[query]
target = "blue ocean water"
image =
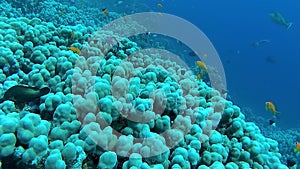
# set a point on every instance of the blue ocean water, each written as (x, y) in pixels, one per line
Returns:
(254, 74)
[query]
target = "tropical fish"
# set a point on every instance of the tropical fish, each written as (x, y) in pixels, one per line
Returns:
(74, 49)
(297, 148)
(201, 65)
(260, 42)
(21, 94)
(225, 94)
(199, 76)
(224, 91)
(105, 11)
(279, 19)
(271, 107)
(272, 122)
(160, 5)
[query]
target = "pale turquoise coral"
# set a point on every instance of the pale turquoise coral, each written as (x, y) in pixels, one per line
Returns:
(68, 138)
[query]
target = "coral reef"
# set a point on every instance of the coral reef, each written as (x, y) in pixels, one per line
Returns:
(111, 106)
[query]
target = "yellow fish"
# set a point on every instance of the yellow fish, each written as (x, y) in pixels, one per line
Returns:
(201, 65)
(74, 49)
(199, 76)
(272, 108)
(297, 148)
(105, 11)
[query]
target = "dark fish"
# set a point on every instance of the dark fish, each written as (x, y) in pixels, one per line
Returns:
(228, 97)
(21, 94)
(290, 163)
(224, 91)
(272, 122)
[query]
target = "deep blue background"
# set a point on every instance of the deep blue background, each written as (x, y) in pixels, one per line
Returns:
(232, 26)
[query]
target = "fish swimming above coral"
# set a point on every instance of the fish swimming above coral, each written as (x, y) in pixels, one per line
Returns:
(279, 19)
(297, 147)
(272, 123)
(105, 11)
(75, 49)
(272, 108)
(22, 94)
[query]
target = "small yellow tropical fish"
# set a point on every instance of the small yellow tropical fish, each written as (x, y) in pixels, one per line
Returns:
(105, 11)
(160, 5)
(271, 107)
(201, 65)
(199, 76)
(74, 49)
(297, 148)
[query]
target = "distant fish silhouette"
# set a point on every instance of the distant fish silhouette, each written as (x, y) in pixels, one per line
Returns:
(260, 43)
(279, 19)
(160, 5)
